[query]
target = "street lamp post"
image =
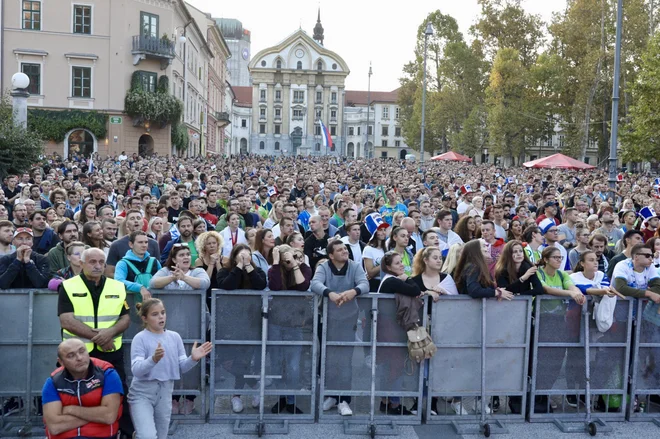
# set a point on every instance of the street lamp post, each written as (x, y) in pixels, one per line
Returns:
(19, 96)
(427, 33)
(615, 99)
(367, 148)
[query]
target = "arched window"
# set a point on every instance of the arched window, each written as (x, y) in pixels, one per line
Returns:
(81, 142)
(262, 145)
(277, 146)
(279, 64)
(299, 65)
(319, 66)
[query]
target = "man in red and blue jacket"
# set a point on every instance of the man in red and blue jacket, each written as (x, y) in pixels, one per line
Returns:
(83, 398)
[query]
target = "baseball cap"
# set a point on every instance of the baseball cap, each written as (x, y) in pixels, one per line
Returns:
(446, 198)
(23, 230)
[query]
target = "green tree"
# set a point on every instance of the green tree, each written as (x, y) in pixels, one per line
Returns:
(505, 102)
(454, 85)
(505, 24)
(20, 149)
(641, 135)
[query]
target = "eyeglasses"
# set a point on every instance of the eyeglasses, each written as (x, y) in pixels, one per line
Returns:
(646, 255)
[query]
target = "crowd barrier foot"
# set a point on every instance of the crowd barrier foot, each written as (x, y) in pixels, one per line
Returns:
(371, 429)
(486, 428)
(173, 426)
(260, 428)
(10, 429)
(594, 427)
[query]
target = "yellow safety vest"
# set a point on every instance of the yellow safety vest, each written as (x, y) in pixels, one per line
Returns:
(111, 302)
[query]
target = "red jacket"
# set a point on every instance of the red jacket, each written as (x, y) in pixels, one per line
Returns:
(84, 393)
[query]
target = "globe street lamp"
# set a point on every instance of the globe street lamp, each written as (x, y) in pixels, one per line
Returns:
(427, 33)
(19, 95)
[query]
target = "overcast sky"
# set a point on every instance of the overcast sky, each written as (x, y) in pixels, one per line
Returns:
(359, 31)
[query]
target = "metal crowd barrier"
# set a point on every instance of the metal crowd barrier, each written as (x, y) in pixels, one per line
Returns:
(27, 355)
(187, 315)
(266, 346)
(579, 375)
(483, 352)
(265, 349)
(645, 383)
(369, 366)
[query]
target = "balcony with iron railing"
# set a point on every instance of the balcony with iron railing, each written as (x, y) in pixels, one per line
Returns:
(222, 117)
(147, 46)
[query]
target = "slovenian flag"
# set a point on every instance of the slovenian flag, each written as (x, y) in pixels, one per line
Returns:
(90, 168)
(327, 140)
(657, 181)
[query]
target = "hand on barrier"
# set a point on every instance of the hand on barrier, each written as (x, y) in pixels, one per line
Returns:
(335, 298)
(652, 296)
(504, 294)
(146, 294)
(160, 353)
(200, 352)
(578, 297)
(103, 338)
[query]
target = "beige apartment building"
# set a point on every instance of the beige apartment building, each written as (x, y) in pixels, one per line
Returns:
(81, 56)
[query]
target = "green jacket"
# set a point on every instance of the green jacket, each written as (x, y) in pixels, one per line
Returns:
(57, 258)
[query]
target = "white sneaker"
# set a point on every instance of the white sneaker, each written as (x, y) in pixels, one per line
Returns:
(344, 409)
(255, 401)
(329, 403)
(458, 408)
(236, 404)
(477, 406)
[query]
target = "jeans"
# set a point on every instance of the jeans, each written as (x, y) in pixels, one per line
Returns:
(151, 408)
(286, 358)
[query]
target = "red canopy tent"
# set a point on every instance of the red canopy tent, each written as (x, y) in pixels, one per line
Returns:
(557, 161)
(452, 156)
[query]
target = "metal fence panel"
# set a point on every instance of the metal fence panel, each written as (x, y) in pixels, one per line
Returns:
(265, 350)
(645, 384)
(187, 315)
(579, 374)
(483, 351)
(364, 357)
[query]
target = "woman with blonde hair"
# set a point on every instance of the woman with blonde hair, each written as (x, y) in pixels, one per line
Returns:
(155, 228)
(209, 249)
(275, 216)
(451, 260)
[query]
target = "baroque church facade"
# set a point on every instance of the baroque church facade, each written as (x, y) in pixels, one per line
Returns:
(297, 84)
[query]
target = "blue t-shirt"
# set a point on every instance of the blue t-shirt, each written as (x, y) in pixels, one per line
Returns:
(112, 384)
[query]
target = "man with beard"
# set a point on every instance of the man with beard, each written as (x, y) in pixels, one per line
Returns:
(6, 234)
(611, 232)
(598, 245)
(35, 195)
(20, 215)
(186, 237)
(68, 232)
(24, 268)
(119, 248)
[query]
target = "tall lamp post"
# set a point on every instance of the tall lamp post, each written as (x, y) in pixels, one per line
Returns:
(427, 33)
(366, 145)
(615, 99)
(19, 96)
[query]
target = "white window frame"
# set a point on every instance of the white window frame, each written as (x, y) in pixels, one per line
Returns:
(91, 81)
(73, 21)
(41, 16)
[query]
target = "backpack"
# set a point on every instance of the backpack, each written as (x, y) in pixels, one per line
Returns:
(141, 278)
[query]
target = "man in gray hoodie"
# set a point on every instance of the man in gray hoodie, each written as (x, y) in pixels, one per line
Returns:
(340, 280)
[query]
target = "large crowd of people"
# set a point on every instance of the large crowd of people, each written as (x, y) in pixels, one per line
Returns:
(340, 228)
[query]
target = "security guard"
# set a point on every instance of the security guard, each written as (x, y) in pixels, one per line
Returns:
(93, 309)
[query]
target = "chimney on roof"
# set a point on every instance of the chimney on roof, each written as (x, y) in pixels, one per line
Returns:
(318, 29)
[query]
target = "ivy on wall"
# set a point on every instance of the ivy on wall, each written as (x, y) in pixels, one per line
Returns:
(54, 125)
(180, 137)
(159, 108)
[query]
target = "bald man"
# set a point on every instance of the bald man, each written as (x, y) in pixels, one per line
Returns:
(83, 397)
(93, 308)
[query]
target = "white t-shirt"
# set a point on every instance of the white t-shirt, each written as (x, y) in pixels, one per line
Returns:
(355, 249)
(375, 254)
(463, 207)
(624, 270)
